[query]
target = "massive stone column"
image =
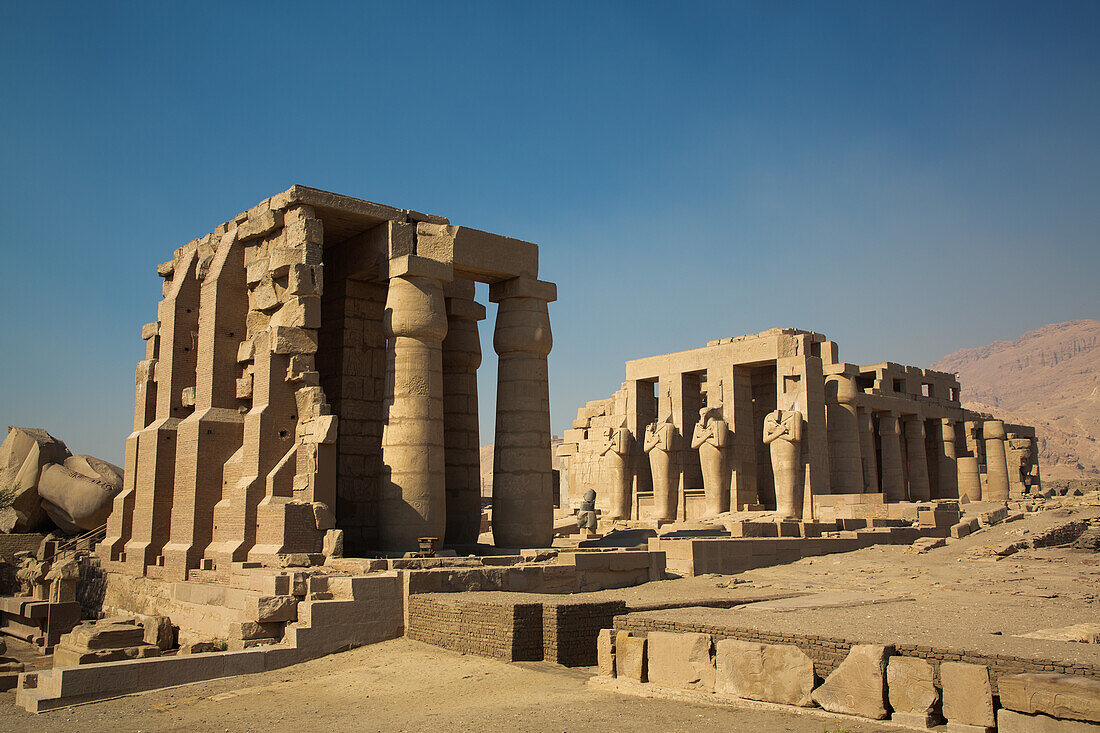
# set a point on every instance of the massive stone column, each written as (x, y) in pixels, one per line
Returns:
(155, 456)
(461, 439)
(213, 432)
(996, 463)
(523, 501)
(867, 454)
(413, 500)
(917, 454)
(893, 472)
(946, 461)
(842, 424)
(970, 478)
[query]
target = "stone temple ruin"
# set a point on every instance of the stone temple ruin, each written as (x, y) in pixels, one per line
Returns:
(273, 412)
(776, 422)
(303, 478)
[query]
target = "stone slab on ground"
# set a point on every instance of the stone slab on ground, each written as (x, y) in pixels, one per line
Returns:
(858, 685)
(967, 694)
(684, 660)
(1010, 721)
(911, 688)
(778, 673)
(1057, 695)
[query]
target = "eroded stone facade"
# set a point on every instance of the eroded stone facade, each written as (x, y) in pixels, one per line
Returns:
(770, 420)
(312, 369)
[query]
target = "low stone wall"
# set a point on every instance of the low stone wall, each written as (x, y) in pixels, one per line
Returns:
(827, 652)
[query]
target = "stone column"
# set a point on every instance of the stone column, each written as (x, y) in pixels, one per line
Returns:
(970, 478)
(842, 421)
(213, 432)
(996, 463)
(868, 457)
(946, 461)
(917, 453)
(523, 501)
(973, 441)
(413, 497)
(893, 472)
(155, 461)
(461, 438)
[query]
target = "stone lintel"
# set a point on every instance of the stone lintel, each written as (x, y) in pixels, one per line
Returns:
(523, 287)
(462, 308)
(414, 266)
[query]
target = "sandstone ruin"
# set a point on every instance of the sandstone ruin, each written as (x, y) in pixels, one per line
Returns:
(776, 422)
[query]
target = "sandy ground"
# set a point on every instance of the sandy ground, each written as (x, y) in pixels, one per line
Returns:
(403, 685)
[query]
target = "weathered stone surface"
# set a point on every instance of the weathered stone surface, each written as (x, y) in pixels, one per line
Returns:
(778, 673)
(267, 609)
(681, 660)
(910, 686)
(605, 652)
(967, 694)
(630, 657)
(1057, 695)
(107, 633)
(858, 685)
(1010, 721)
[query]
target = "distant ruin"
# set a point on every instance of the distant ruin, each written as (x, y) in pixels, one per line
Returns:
(776, 422)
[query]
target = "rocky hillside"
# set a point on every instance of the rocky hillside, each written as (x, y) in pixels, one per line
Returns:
(1049, 378)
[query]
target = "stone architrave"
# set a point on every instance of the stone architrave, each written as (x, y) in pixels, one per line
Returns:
(783, 436)
(779, 673)
(996, 462)
(710, 437)
(630, 657)
(967, 694)
(615, 452)
(679, 660)
(858, 685)
(912, 691)
(659, 443)
(413, 502)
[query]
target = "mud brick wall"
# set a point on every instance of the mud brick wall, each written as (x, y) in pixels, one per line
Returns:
(827, 653)
(510, 632)
(13, 543)
(570, 630)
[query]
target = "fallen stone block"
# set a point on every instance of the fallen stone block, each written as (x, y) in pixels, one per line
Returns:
(605, 652)
(1080, 633)
(967, 695)
(681, 660)
(1010, 721)
(912, 692)
(779, 673)
(268, 609)
(1056, 695)
(858, 685)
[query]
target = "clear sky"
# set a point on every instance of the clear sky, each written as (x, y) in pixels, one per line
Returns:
(906, 177)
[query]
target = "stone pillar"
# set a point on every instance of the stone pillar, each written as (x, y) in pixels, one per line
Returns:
(970, 479)
(413, 497)
(974, 445)
(842, 420)
(178, 315)
(213, 432)
(659, 443)
(461, 438)
(614, 455)
(946, 461)
(867, 453)
(996, 463)
(523, 502)
(893, 472)
(917, 454)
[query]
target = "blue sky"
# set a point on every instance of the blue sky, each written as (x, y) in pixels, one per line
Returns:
(909, 178)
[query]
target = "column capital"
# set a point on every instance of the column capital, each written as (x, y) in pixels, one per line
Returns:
(523, 286)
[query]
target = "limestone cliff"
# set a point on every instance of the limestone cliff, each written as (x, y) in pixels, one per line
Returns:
(1049, 378)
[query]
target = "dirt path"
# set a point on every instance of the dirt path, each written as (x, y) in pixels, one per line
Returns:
(403, 685)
